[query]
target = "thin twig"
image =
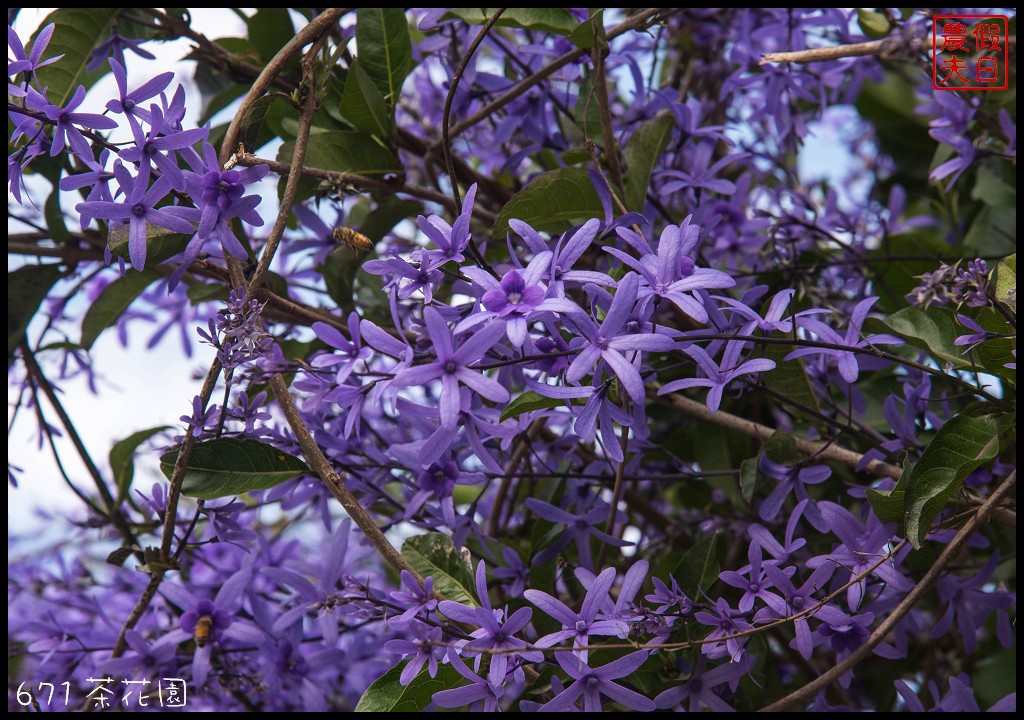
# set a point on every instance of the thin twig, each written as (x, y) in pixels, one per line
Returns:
(364, 182)
(113, 512)
(637, 21)
(446, 116)
(812, 688)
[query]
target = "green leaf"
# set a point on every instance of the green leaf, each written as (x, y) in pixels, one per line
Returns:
(364, 107)
(888, 504)
(960, 446)
(528, 402)
(699, 567)
(434, 555)
(207, 292)
(748, 479)
(113, 301)
(993, 354)
(991, 190)
(933, 329)
(26, 288)
(590, 32)
(76, 32)
(555, 20)
(874, 24)
(385, 48)
(230, 466)
(553, 202)
(387, 694)
(1006, 282)
(341, 151)
(339, 270)
(641, 153)
(270, 29)
(249, 131)
(390, 211)
(55, 218)
(992, 232)
(161, 243)
(122, 458)
(790, 379)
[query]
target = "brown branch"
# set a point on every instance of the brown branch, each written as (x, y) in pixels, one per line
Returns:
(323, 468)
(828, 452)
(316, 28)
(809, 690)
(836, 52)
(611, 147)
(291, 189)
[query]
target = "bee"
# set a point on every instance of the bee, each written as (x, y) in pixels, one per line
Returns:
(204, 626)
(355, 240)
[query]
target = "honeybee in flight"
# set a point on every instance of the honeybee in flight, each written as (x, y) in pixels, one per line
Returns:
(204, 627)
(355, 240)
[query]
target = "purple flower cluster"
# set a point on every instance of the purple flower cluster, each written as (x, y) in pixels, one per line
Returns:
(567, 421)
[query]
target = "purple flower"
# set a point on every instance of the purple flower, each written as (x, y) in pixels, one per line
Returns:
(970, 602)
(565, 255)
(421, 276)
(249, 412)
(215, 616)
(669, 597)
(427, 649)
(350, 352)
(415, 597)
(671, 273)
(702, 175)
(849, 368)
(201, 422)
(699, 688)
(977, 336)
(452, 240)
(157, 148)
(592, 683)
(752, 581)
(578, 627)
(512, 299)
(29, 63)
(114, 47)
(791, 601)
(774, 319)
(452, 366)
(790, 478)
(221, 196)
(128, 103)
(493, 634)
(65, 120)
(624, 608)
(960, 697)
(718, 377)
(727, 623)
(139, 209)
(860, 550)
(578, 528)
(516, 572)
(478, 690)
(610, 340)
